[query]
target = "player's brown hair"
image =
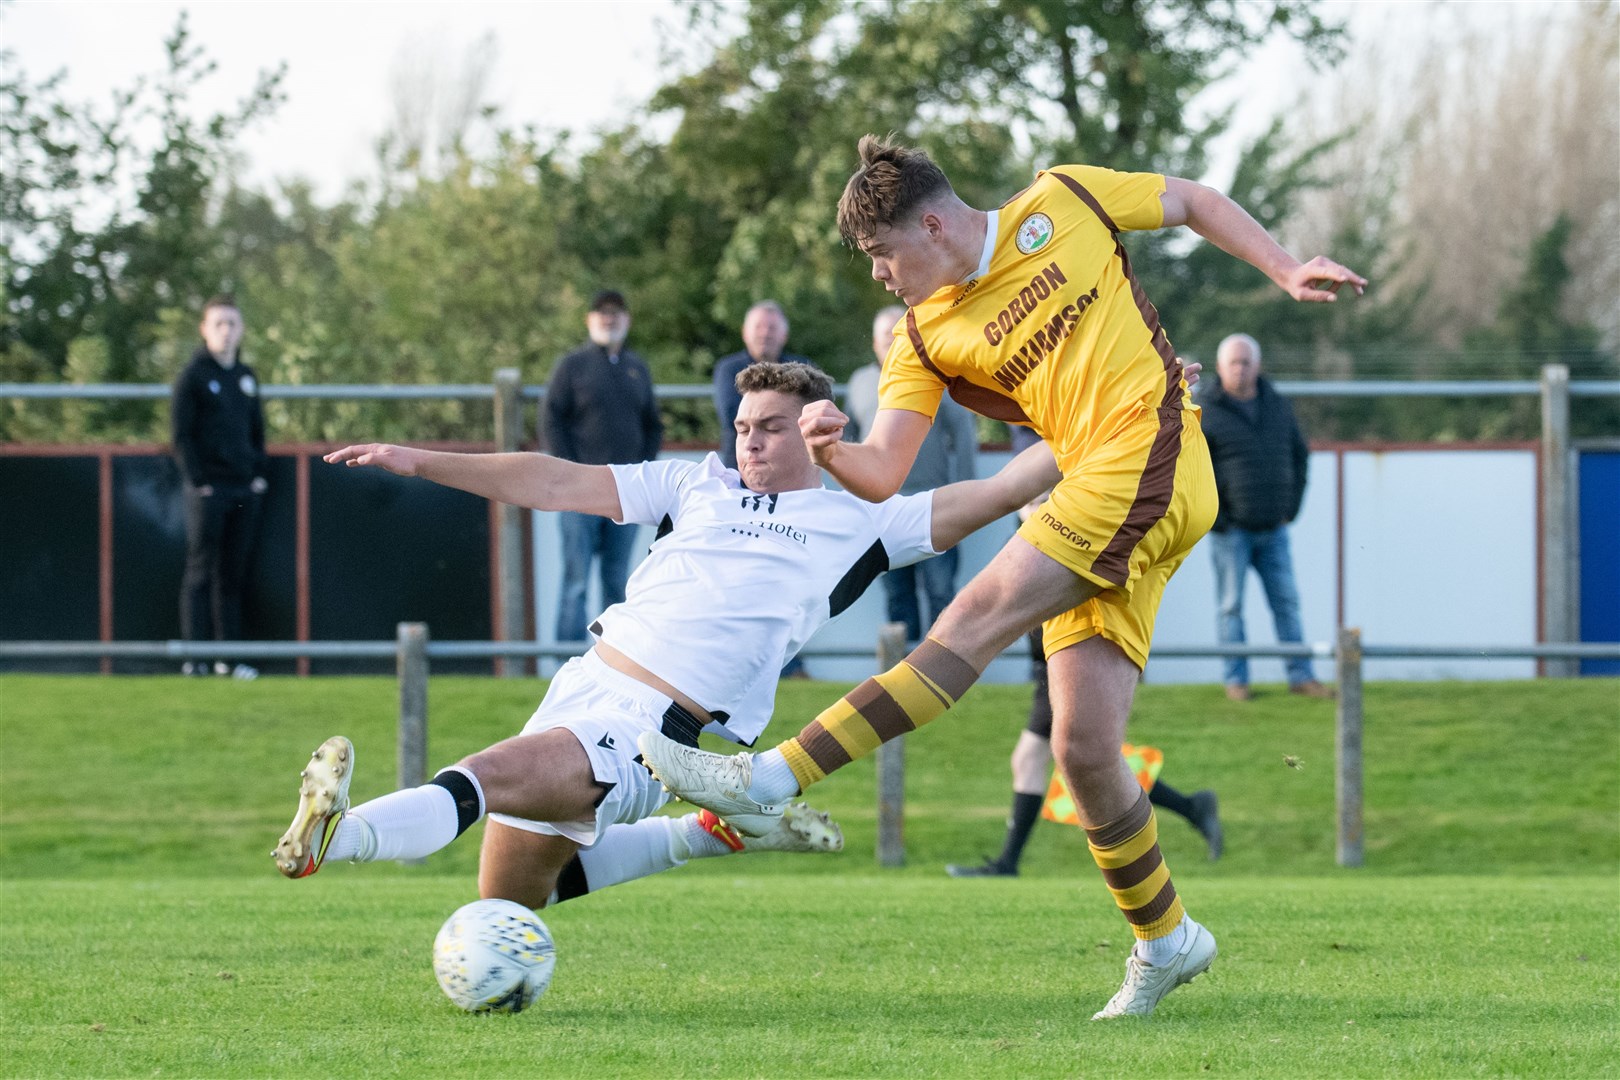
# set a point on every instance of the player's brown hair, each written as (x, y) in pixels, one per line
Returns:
(804, 381)
(220, 300)
(891, 182)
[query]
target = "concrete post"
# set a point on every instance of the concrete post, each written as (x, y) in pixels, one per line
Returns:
(891, 763)
(1347, 747)
(1560, 618)
(509, 540)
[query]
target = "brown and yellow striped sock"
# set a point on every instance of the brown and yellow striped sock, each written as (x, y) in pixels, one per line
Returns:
(1127, 852)
(904, 698)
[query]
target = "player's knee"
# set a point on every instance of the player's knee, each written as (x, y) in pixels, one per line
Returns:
(1085, 752)
(510, 768)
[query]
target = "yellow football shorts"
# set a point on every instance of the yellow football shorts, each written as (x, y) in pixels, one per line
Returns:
(1124, 516)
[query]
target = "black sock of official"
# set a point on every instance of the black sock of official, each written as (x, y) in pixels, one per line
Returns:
(1026, 810)
(1162, 794)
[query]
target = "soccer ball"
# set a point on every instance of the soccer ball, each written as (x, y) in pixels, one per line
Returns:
(494, 956)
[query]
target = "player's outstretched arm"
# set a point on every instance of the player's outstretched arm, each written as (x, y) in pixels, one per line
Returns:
(1229, 227)
(872, 469)
(964, 507)
(536, 481)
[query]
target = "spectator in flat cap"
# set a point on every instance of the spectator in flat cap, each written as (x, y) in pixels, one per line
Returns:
(600, 410)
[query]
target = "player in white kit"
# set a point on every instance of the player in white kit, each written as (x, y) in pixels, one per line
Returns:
(748, 564)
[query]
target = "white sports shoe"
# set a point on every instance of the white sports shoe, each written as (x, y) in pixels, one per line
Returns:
(717, 782)
(800, 828)
(1146, 984)
(323, 796)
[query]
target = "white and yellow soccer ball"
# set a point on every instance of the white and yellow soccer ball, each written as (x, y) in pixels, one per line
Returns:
(494, 956)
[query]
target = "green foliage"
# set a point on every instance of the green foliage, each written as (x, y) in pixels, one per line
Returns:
(1532, 328)
(116, 223)
(81, 259)
(1203, 294)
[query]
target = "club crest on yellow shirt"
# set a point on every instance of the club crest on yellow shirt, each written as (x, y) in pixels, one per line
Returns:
(1034, 234)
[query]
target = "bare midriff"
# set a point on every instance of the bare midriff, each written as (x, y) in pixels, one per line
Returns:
(621, 663)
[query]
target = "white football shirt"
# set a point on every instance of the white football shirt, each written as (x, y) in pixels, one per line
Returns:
(737, 582)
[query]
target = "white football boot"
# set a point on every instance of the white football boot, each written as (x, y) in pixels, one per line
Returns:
(1146, 984)
(717, 782)
(323, 796)
(801, 828)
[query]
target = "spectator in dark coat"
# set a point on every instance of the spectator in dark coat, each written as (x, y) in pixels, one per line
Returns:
(1260, 459)
(217, 424)
(600, 410)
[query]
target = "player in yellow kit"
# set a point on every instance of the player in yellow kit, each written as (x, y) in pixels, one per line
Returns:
(1031, 314)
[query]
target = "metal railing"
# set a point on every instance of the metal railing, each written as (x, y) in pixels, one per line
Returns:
(1557, 524)
(325, 392)
(700, 391)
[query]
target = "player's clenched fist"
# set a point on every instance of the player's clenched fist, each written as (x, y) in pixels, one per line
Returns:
(822, 426)
(399, 460)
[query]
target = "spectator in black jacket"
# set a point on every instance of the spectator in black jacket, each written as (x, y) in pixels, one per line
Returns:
(1260, 459)
(218, 433)
(600, 410)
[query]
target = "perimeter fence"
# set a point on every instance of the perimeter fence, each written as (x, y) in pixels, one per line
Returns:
(1557, 524)
(414, 650)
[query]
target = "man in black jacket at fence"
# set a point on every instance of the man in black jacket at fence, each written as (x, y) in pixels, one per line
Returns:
(600, 410)
(218, 431)
(1260, 459)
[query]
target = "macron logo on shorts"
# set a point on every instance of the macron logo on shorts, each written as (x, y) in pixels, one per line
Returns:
(606, 742)
(1065, 531)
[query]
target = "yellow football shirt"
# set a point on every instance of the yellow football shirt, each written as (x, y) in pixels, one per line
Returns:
(1056, 333)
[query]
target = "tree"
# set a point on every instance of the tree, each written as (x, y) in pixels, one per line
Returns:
(105, 240)
(988, 87)
(1483, 133)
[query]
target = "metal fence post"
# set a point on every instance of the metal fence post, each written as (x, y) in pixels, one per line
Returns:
(413, 678)
(1560, 622)
(891, 763)
(509, 540)
(1347, 746)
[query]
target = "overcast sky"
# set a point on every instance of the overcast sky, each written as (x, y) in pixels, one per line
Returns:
(558, 64)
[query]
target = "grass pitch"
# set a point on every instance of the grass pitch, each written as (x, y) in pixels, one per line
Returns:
(144, 931)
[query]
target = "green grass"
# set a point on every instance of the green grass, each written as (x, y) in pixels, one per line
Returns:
(143, 931)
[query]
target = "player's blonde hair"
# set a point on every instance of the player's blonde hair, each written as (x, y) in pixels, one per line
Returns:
(804, 381)
(891, 183)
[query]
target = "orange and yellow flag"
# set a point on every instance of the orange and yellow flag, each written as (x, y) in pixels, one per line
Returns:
(1145, 762)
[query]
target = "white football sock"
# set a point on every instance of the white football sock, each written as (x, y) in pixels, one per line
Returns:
(699, 842)
(354, 841)
(638, 849)
(773, 780)
(633, 850)
(1159, 950)
(408, 824)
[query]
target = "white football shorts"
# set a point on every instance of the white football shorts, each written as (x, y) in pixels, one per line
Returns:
(606, 711)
